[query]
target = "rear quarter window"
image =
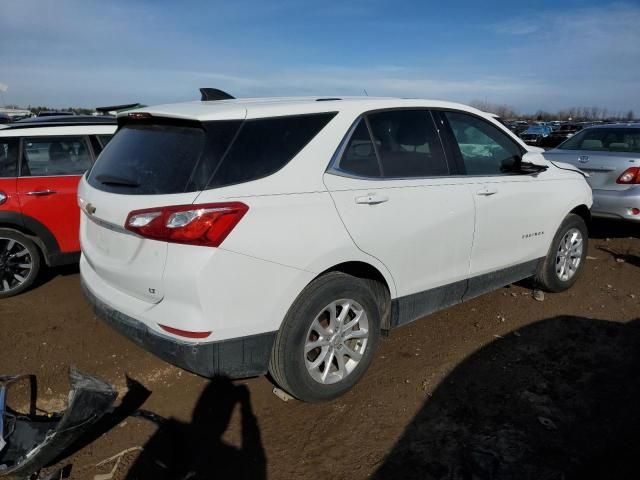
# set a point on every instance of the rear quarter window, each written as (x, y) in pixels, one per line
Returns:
(264, 146)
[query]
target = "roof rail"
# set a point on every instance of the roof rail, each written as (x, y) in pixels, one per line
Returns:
(209, 94)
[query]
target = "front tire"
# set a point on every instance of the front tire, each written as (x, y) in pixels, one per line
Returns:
(328, 338)
(19, 263)
(566, 256)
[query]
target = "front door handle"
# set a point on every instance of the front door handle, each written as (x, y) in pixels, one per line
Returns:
(487, 191)
(41, 193)
(371, 199)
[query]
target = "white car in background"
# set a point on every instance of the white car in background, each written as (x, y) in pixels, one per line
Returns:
(236, 237)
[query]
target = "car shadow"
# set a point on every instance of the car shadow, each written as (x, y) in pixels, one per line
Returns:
(196, 450)
(47, 274)
(601, 228)
(624, 256)
(557, 399)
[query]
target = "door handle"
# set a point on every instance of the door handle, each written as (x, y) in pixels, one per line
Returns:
(371, 199)
(41, 193)
(487, 191)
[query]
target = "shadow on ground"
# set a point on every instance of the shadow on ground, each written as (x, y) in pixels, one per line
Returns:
(559, 399)
(601, 228)
(49, 273)
(196, 450)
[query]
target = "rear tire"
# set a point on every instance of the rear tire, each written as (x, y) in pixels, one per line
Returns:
(328, 338)
(19, 263)
(566, 256)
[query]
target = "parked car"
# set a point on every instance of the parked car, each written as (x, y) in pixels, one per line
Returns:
(40, 166)
(535, 134)
(4, 118)
(237, 237)
(559, 135)
(610, 154)
(71, 119)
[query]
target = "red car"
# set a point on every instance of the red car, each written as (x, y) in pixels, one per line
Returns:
(40, 166)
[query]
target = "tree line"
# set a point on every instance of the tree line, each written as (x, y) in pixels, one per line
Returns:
(577, 114)
(42, 108)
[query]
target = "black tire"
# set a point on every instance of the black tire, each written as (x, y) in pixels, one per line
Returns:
(8, 261)
(547, 277)
(288, 365)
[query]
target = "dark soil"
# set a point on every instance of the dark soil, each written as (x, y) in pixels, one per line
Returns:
(501, 387)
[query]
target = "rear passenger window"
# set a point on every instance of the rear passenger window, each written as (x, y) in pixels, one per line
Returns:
(264, 146)
(50, 156)
(409, 145)
(485, 150)
(405, 144)
(8, 157)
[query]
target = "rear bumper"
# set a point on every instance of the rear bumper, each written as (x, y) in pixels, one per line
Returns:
(616, 203)
(235, 358)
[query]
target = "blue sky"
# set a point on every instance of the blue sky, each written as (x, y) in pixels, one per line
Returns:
(546, 54)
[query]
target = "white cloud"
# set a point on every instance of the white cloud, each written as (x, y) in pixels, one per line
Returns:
(3, 87)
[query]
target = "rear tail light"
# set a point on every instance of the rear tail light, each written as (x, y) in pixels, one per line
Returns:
(206, 224)
(630, 176)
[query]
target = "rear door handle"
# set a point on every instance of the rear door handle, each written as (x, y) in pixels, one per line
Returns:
(371, 199)
(487, 191)
(41, 193)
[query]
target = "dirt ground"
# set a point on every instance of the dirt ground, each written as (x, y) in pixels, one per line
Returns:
(501, 387)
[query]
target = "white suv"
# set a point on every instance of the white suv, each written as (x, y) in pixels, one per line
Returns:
(236, 237)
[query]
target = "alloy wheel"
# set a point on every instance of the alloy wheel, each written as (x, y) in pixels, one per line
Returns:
(569, 254)
(336, 341)
(16, 264)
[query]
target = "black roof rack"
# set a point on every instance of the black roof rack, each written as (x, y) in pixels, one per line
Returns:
(327, 99)
(210, 94)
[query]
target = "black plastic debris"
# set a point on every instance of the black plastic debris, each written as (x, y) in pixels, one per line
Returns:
(28, 442)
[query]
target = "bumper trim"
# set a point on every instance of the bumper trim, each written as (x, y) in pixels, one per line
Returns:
(235, 358)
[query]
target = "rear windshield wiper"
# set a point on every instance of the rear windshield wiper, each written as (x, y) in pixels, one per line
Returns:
(119, 181)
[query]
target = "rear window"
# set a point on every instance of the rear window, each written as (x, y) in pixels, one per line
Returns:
(605, 139)
(159, 159)
(150, 159)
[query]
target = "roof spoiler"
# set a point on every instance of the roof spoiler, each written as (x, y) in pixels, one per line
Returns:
(210, 94)
(117, 108)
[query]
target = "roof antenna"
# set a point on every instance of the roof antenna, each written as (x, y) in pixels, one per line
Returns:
(365, 92)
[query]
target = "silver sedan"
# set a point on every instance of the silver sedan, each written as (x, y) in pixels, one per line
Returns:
(610, 154)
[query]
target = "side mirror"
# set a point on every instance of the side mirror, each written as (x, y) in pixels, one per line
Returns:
(536, 159)
(533, 163)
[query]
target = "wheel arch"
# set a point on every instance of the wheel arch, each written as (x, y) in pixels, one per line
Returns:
(584, 212)
(32, 228)
(383, 288)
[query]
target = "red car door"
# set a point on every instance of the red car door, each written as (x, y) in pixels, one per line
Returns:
(47, 185)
